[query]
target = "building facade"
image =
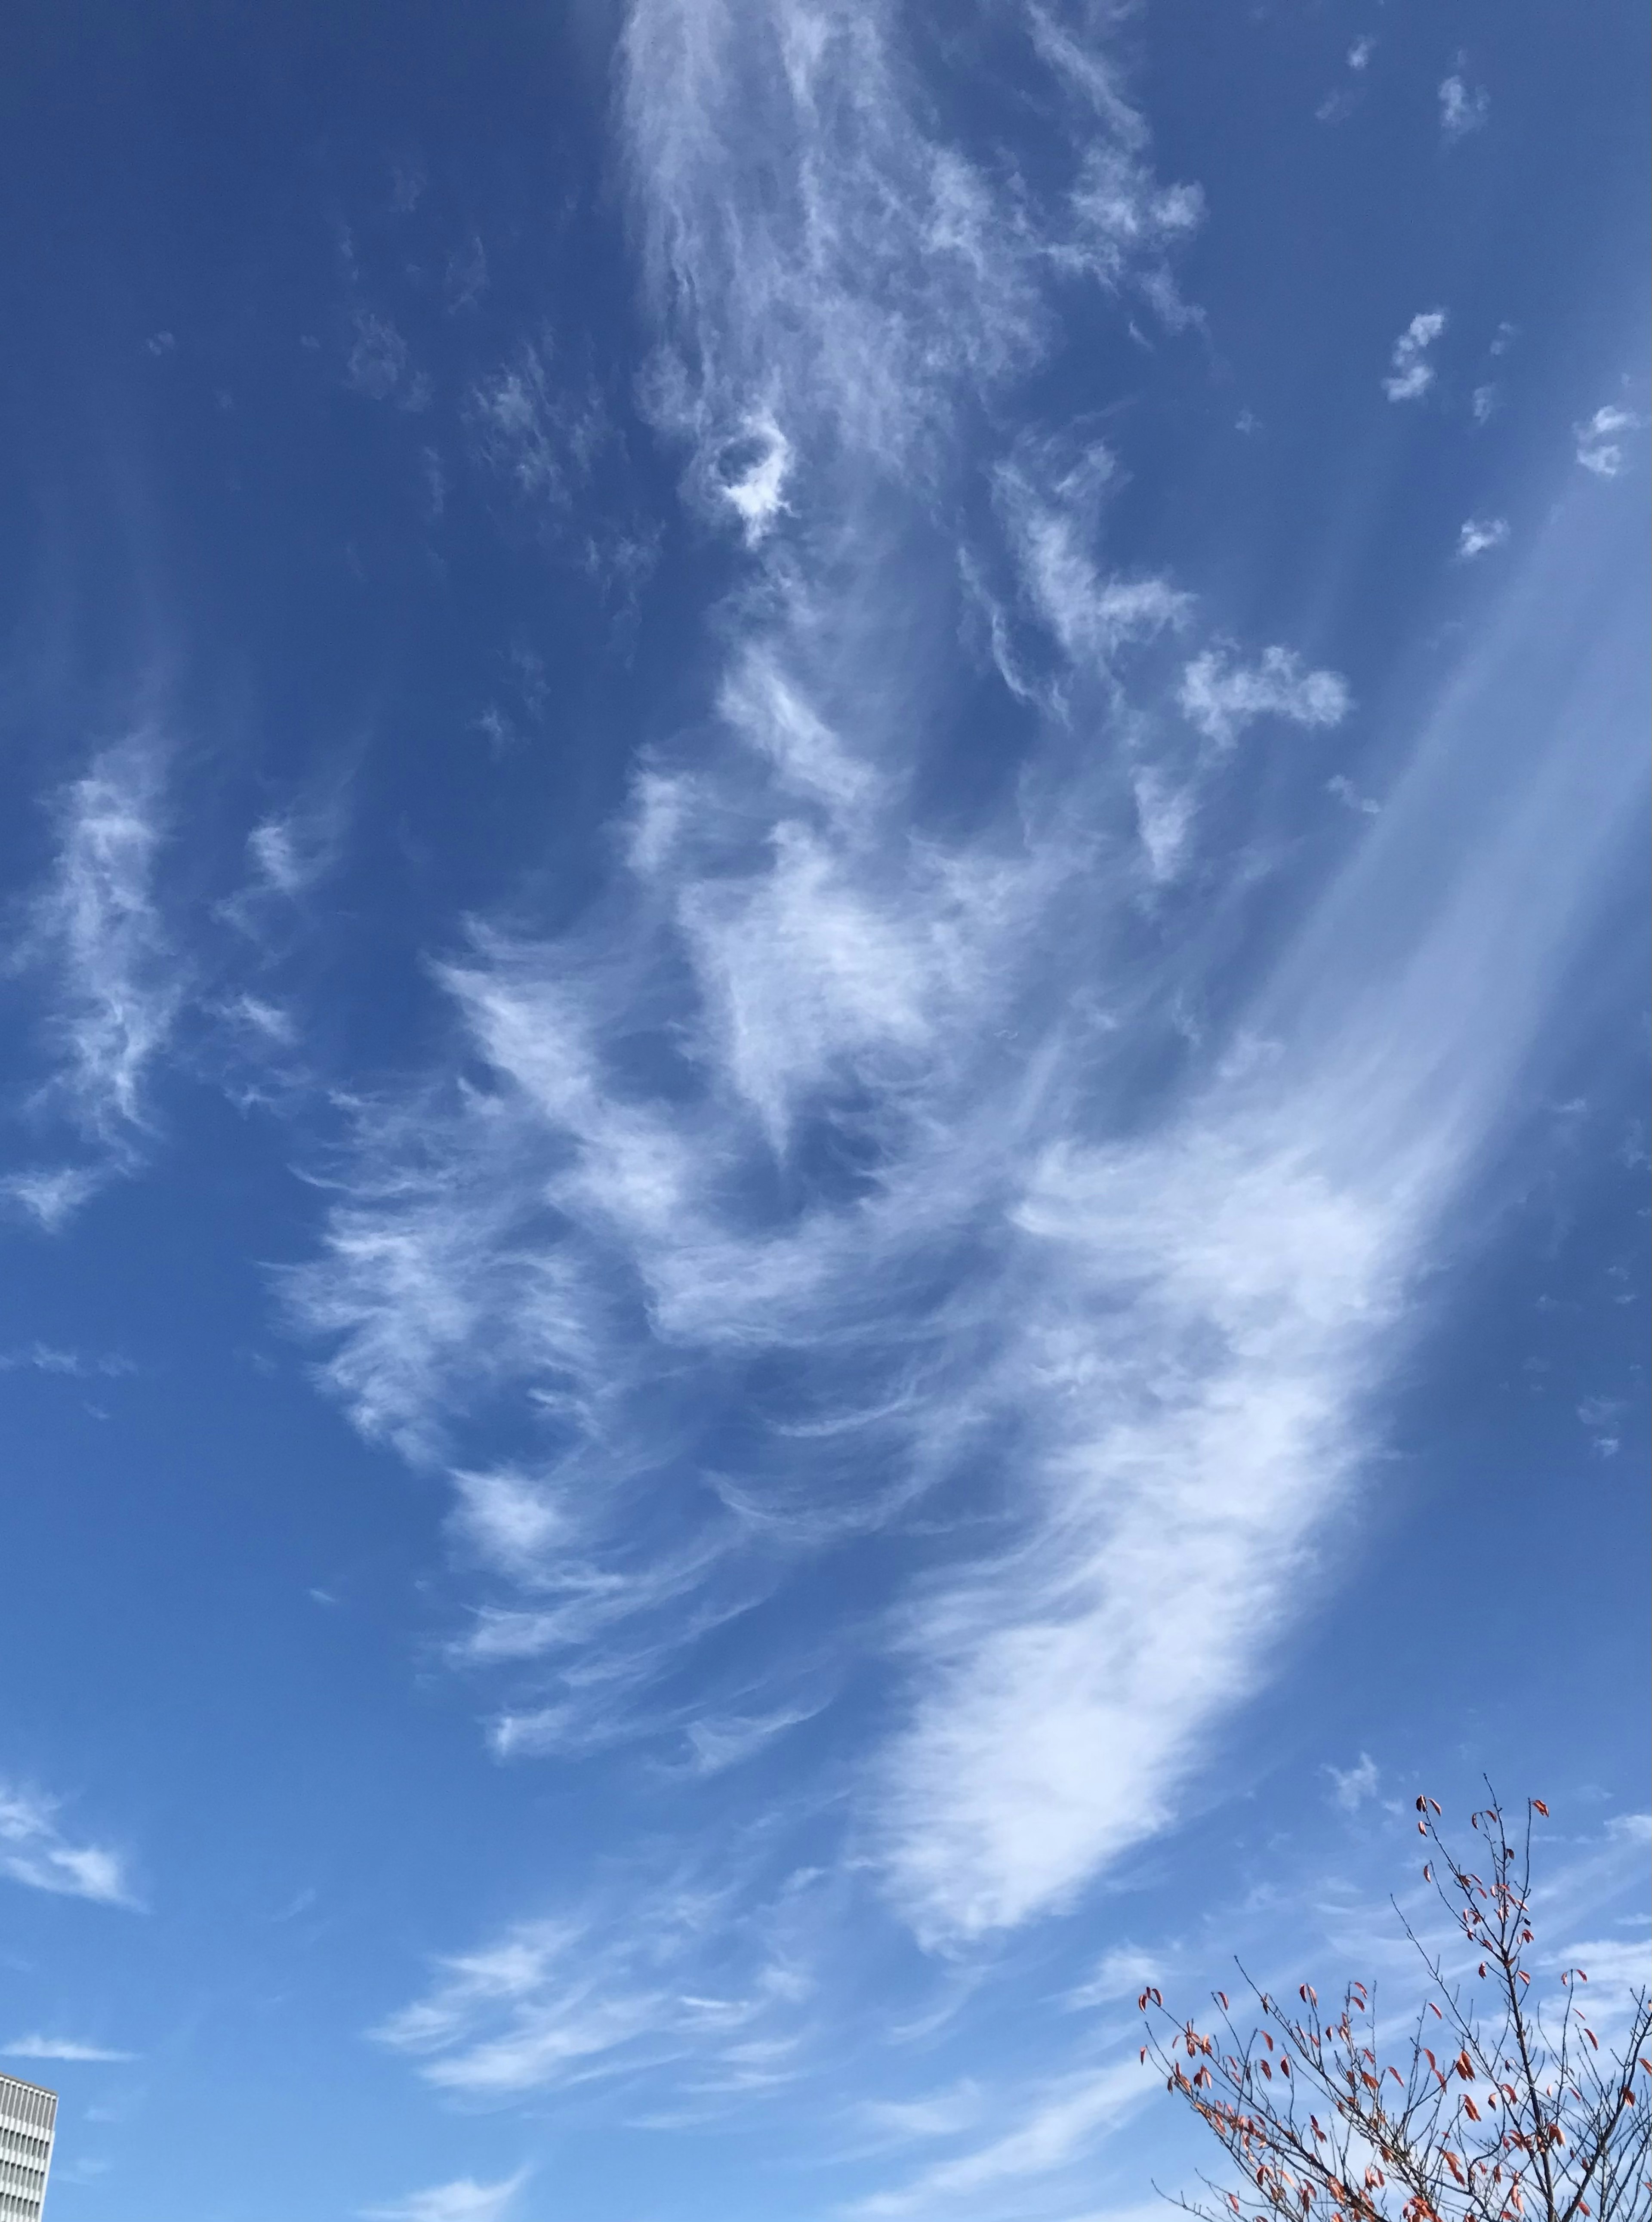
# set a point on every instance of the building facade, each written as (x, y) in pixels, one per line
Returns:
(28, 2120)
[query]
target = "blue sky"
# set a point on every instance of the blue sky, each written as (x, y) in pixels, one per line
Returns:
(824, 1050)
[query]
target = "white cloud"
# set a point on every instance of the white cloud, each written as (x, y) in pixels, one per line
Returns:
(1064, 2119)
(888, 279)
(1479, 533)
(1352, 1786)
(1360, 53)
(750, 474)
(95, 934)
(1349, 796)
(1412, 373)
(378, 358)
(1484, 403)
(51, 1198)
(464, 2200)
(1599, 443)
(59, 2047)
(804, 1180)
(73, 1364)
(289, 853)
(1221, 695)
(1052, 498)
(539, 428)
(1122, 1975)
(1463, 108)
(940, 2114)
(1217, 1297)
(33, 1850)
(630, 1983)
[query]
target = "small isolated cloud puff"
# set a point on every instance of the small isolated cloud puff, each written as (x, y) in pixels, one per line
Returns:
(1599, 449)
(35, 1851)
(1222, 696)
(1412, 373)
(1359, 54)
(1350, 798)
(1463, 108)
(750, 474)
(1478, 534)
(59, 2047)
(51, 1196)
(1352, 1786)
(461, 2201)
(378, 365)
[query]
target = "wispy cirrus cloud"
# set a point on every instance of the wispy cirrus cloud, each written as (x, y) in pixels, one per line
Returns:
(463, 2200)
(95, 940)
(536, 428)
(621, 1989)
(1059, 2123)
(69, 1364)
(1412, 373)
(35, 1851)
(61, 2048)
(812, 1179)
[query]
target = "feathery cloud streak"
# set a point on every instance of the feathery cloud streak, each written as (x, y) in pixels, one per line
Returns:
(95, 936)
(33, 1850)
(464, 2200)
(804, 1178)
(60, 2048)
(666, 1976)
